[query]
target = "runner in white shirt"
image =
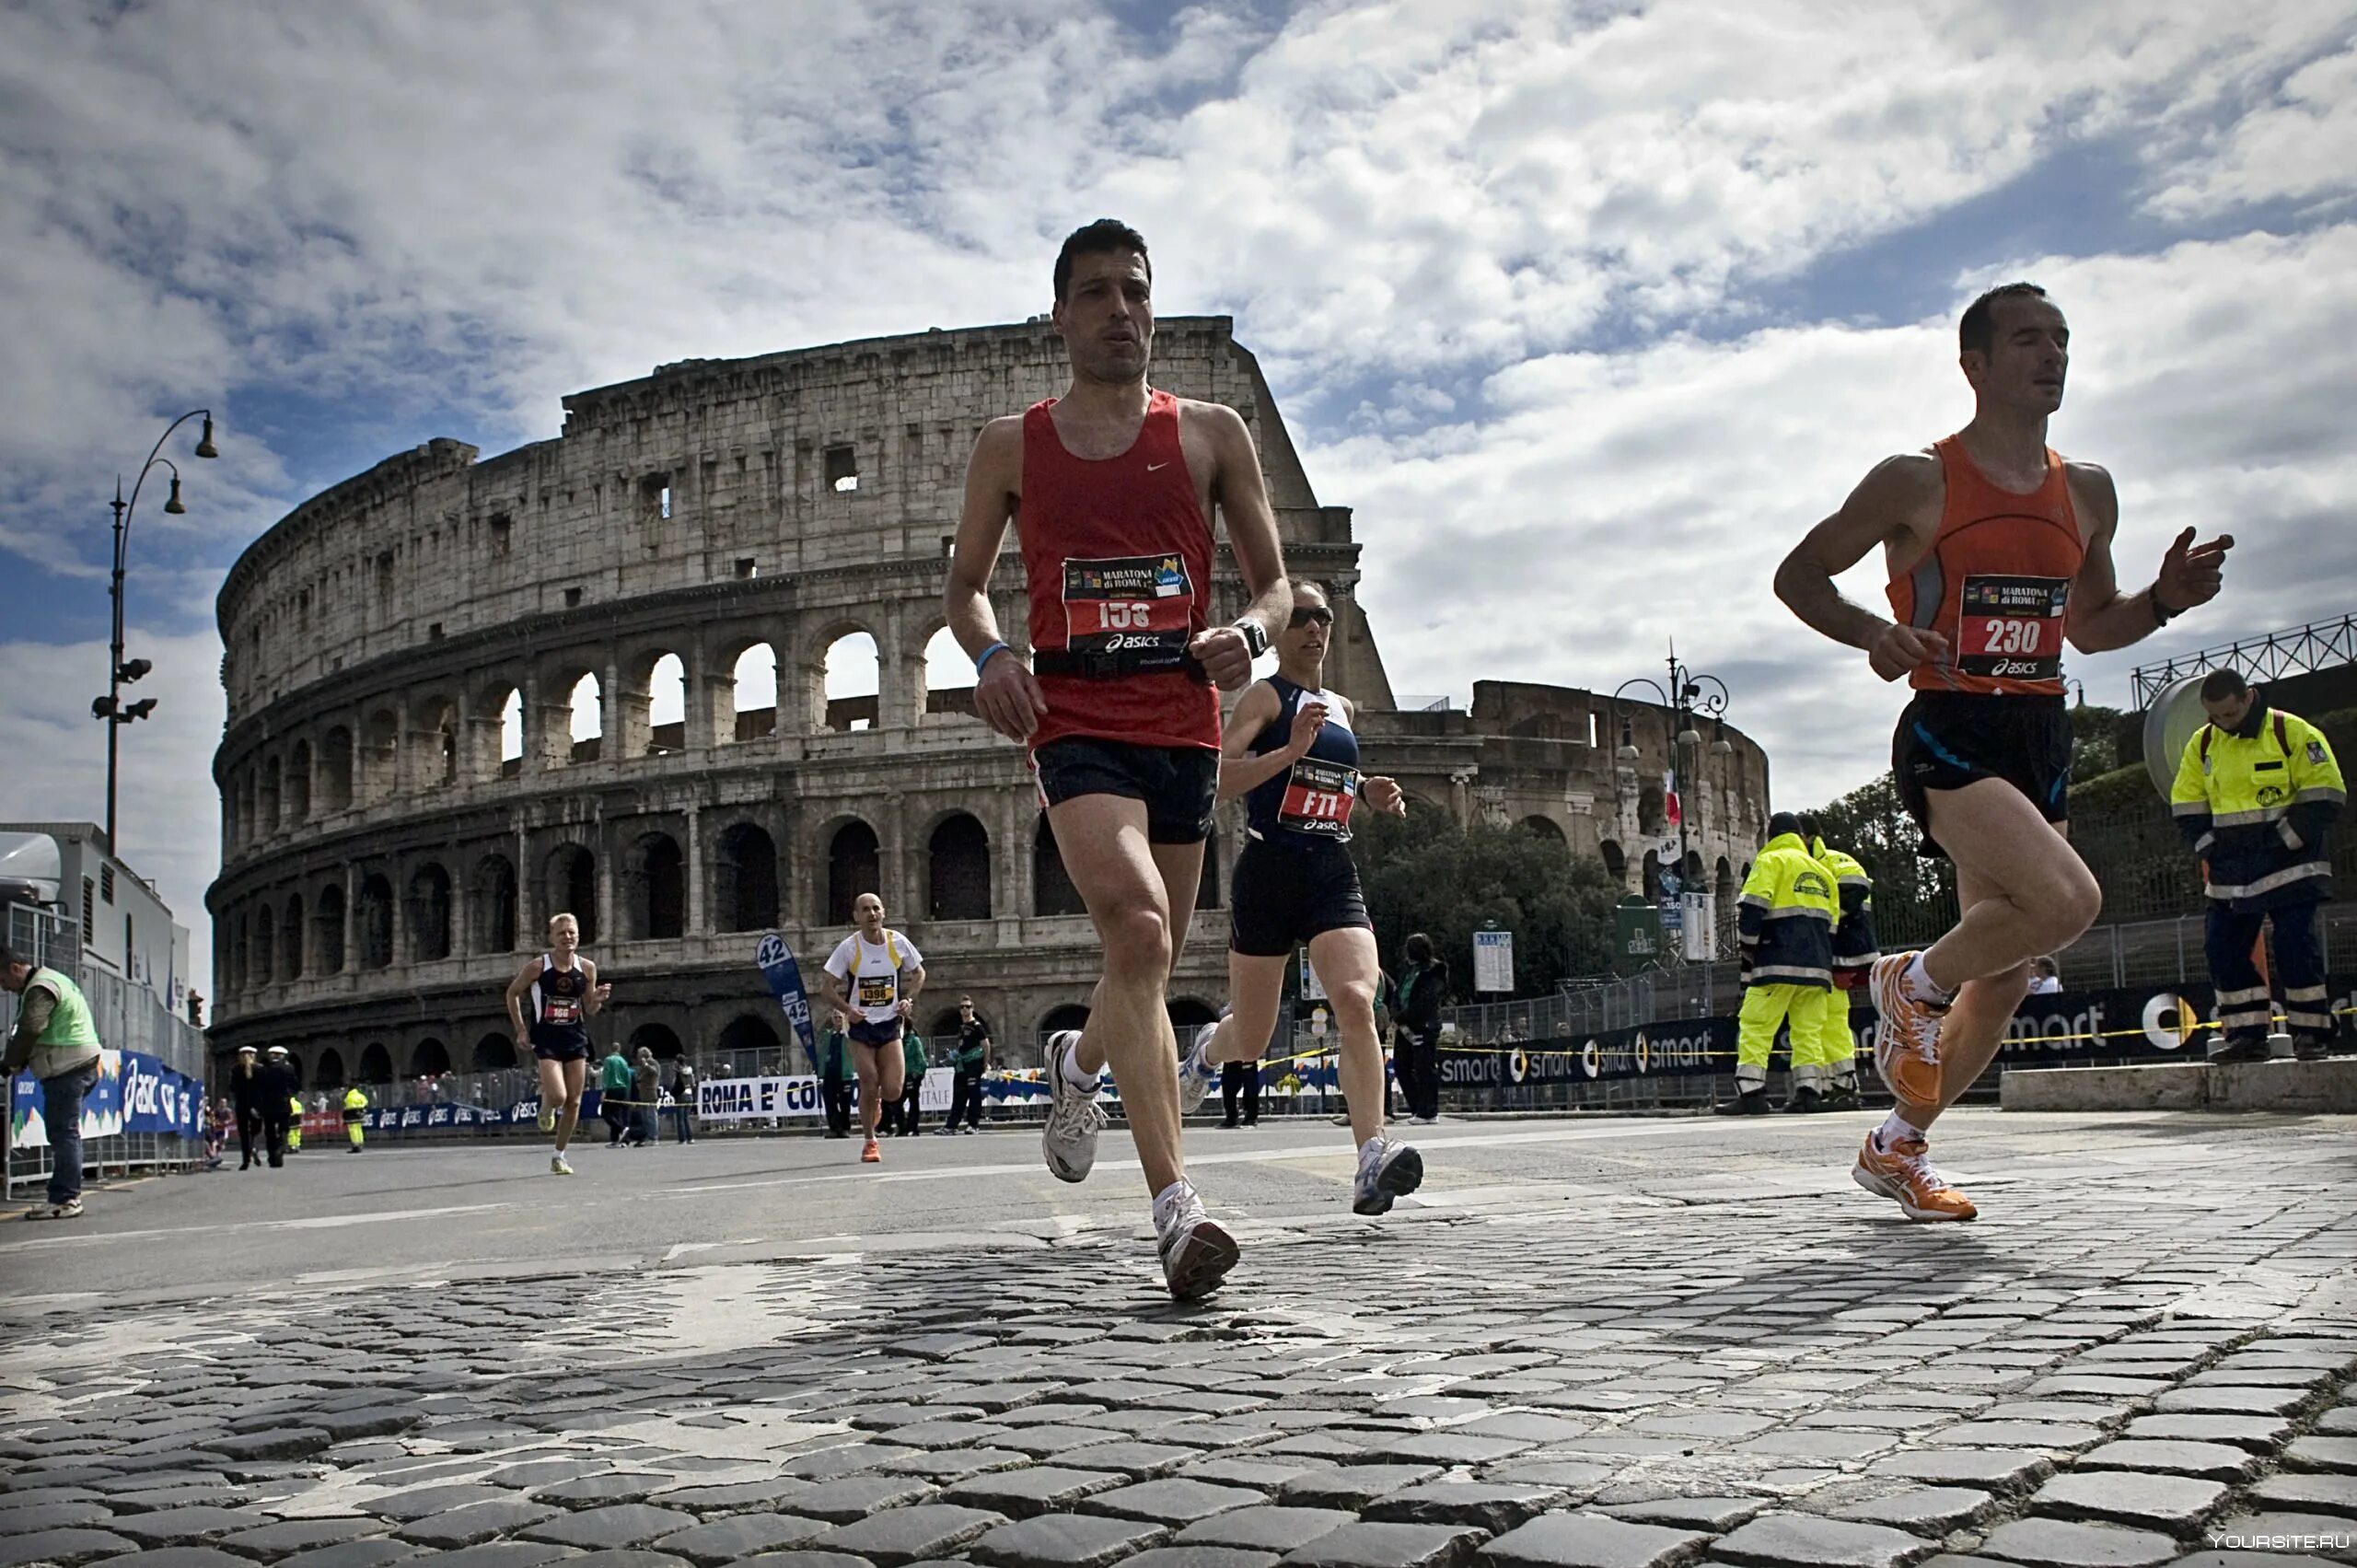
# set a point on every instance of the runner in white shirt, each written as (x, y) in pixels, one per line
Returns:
(872, 979)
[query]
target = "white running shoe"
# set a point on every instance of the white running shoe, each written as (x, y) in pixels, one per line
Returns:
(1195, 1075)
(559, 1165)
(548, 1117)
(1386, 1171)
(1068, 1142)
(1196, 1253)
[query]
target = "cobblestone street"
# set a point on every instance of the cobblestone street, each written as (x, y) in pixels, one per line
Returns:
(2143, 1353)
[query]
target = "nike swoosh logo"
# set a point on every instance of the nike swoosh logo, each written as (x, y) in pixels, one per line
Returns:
(1151, 467)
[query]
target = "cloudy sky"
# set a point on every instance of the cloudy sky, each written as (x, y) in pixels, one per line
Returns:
(1587, 310)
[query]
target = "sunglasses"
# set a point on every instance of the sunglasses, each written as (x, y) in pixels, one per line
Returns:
(1311, 615)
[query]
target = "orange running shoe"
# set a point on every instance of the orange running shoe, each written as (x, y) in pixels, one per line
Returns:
(1907, 1036)
(870, 1155)
(1901, 1174)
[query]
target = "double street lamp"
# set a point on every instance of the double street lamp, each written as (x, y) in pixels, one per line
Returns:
(111, 709)
(1691, 697)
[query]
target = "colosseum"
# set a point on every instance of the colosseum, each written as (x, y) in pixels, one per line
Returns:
(591, 674)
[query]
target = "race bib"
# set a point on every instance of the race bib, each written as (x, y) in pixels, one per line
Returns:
(876, 990)
(2011, 627)
(1318, 798)
(1140, 606)
(560, 1010)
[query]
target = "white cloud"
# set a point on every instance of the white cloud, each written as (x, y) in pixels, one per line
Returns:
(167, 814)
(2302, 146)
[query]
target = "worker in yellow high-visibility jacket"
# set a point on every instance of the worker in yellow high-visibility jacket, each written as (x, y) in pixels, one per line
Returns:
(354, 1102)
(1785, 921)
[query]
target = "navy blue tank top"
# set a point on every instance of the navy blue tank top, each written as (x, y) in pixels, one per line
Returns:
(558, 1019)
(1311, 802)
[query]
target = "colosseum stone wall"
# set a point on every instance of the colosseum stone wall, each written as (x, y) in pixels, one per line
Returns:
(387, 863)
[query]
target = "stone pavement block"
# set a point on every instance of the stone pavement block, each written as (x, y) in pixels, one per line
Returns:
(2173, 1502)
(1832, 1444)
(943, 1433)
(605, 1488)
(1066, 1540)
(738, 1497)
(285, 1443)
(1048, 1442)
(66, 1546)
(1780, 1538)
(1527, 1424)
(1389, 1546)
(300, 1535)
(1250, 1470)
(626, 1558)
(856, 1496)
(1144, 1460)
(1591, 1540)
(172, 1526)
(2058, 1543)
(35, 1496)
(183, 1556)
(2001, 1470)
(942, 1466)
(1494, 1506)
(1573, 1475)
(602, 1529)
(1712, 1514)
(424, 1502)
(1704, 1423)
(804, 1558)
(2215, 1460)
(2261, 1435)
(1447, 1448)
(879, 1415)
(376, 1551)
(2308, 1492)
(1265, 1528)
(368, 1422)
(2095, 1385)
(2050, 1434)
(1926, 1510)
(740, 1535)
(2337, 1423)
(476, 1522)
(1037, 1489)
(849, 1459)
(1173, 1502)
(2230, 1401)
(1352, 1486)
(1202, 1557)
(52, 1517)
(907, 1535)
(2335, 1453)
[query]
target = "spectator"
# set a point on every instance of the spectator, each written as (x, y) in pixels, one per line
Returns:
(683, 1100)
(646, 1094)
(245, 1088)
(834, 1068)
(2045, 976)
(613, 1089)
(912, 1071)
(973, 1059)
(1241, 1079)
(1421, 986)
(57, 1040)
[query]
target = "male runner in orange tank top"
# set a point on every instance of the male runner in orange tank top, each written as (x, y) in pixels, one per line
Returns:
(1998, 550)
(1119, 713)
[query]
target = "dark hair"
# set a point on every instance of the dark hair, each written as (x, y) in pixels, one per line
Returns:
(2044, 963)
(1104, 236)
(8, 959)
(1419, 949)
(1977, 333)
(1782, 822)
(2221, 684)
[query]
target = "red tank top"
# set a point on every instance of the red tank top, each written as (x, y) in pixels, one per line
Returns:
(1996, 582)
(1117, 561)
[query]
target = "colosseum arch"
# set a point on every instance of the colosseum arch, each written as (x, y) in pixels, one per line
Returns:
(336, 767)
(1071, 1015)
(493, 1053)
(494, 745)
(298, 784)
(855, 866)
(957, 868)
(657, 1037)
(373, 913)
(379, 758)
(649, 704)
(265, 944)
(1189, 1014)
(948, 673)
(429, 1057)
(745, 879)
(491, 905)
(429, 912)
(749, 1045)
(569, 885)
(291, 933)
(1051, 889)
(1545, 828)
(584, 740)
(438, 742)
(328, 908)
(327, 1069)
(272, 780)
(376, 1064)
(844, 695)
(655, 887)
(755, 706)
(1615, 862)
(247, 827)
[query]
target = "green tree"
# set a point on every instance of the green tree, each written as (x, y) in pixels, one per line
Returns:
(1429, 873)
(2095, 740)
(1915, 896)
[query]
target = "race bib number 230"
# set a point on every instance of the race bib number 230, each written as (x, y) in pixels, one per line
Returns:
(2011, 627)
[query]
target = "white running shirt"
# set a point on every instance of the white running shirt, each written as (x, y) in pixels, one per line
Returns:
(871, 972)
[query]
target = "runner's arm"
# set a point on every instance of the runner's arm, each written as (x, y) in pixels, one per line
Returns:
(1242, 496)
(593, 995)
(1239, 771)
(1006, 696)
(517, 989)
(1877, 512)
(2102, 618)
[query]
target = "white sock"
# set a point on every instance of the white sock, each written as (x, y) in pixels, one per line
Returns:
(1170, 1199)
(1895, 1129)
(1918, 984)
(1074, 1071)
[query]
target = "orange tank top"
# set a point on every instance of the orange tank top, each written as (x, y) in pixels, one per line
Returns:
(1996, 582)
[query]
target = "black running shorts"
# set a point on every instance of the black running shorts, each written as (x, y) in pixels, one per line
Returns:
(1948, 740)
(1178, 784)
(1280, 898)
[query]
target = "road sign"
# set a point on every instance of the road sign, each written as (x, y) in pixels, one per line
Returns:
(1494, 961)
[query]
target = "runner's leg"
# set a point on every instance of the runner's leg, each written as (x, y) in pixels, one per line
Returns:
(871, 1088)
(2035, 894)
(575, 1074)
(1348, 965)
(551, 1078)
(1126, 884)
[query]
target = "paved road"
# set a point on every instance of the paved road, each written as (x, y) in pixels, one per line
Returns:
(1599, 1341)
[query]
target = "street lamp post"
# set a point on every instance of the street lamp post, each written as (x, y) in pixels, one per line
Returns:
(1689, 696)
(120, 672)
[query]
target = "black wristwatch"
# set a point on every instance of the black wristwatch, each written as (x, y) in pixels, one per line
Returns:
(1256, 636)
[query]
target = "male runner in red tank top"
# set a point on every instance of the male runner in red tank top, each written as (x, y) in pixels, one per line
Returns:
(1998, 550)
(1111, 489)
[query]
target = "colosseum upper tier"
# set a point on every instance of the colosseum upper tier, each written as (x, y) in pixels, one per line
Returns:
(393, 836)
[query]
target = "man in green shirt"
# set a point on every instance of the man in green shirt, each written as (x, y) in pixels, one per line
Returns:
(58, 1040)
(835, 1070)
(913, 1067)
(613, 1093)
